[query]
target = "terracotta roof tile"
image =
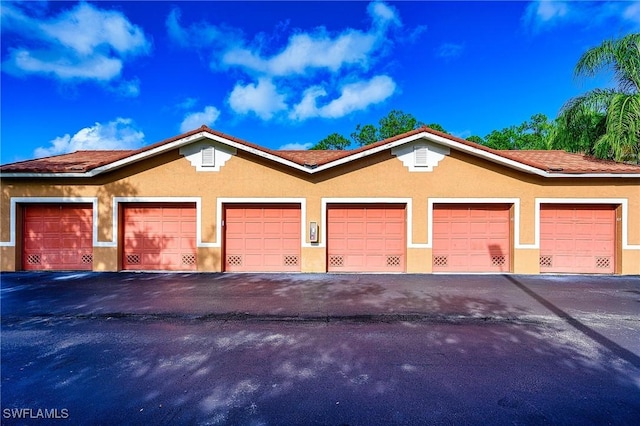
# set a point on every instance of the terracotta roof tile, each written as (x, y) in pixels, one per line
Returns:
(312, 157)
(566, 162)
(75, 162)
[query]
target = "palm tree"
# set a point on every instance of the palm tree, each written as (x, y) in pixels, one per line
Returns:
(620, 139)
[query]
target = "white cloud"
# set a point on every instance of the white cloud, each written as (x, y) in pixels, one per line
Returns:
(295, 146)
(308, 51)
(117, 134)
(353, 97)
(262, 98)
(383, 14)
(99, 68)
(82, 43)
(632, 12)
(86, 29)
(188, 103)
(202, 34)
(276, 70)
(129, 89)
(196, 119)
(450, 50)
(319, 49)
(543, 14)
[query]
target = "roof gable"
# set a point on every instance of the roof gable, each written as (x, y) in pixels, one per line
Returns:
(542, 163)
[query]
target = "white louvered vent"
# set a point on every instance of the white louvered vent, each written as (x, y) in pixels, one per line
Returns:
(420, 156)
(208, 156)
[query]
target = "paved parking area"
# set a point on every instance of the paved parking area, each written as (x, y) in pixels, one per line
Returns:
(131, 348)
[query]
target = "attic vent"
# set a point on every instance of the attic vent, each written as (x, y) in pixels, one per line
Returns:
(420, 156)
(208, 156)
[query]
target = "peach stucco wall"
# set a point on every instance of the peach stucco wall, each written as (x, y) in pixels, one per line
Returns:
(381, 176)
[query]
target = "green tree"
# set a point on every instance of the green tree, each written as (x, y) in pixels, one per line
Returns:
(365, 135)
(476, 139)
(396, 123)
(620, 105)
(532, 134)
(436, 126)
(333, 141)
(579, 132)
(393, 124)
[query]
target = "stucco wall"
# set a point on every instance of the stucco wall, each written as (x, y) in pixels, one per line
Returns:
(378, 177)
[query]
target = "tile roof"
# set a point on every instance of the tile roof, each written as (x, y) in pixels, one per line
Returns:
(566, 162)
(75, 162)
(558, 162)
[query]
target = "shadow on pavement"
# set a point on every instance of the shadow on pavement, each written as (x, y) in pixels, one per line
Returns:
(616, 349)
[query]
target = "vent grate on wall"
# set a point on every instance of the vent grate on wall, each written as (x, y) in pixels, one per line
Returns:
(87, 258)
(393, 261)
(336, 260)
(603, 262)
(441, 261)
(234, 260)
(291, 260)
(546, 261)
(420, 156)
(189, 259)
(133, 259)
(498, 260)
(34, 259)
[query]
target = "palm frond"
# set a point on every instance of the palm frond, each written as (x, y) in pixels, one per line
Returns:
(622, 56)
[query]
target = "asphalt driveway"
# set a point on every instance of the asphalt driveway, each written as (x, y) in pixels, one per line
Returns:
(131, 348)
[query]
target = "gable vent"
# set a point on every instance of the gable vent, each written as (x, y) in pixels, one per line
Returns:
(420, 156)
(208, 156)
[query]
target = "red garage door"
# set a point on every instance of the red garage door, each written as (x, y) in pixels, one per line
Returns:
(159, 237)
(471, 238)
(262, 238)
(366, 238)
(57, 236)
(577, 238)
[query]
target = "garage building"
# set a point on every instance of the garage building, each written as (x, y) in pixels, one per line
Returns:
(421, 202)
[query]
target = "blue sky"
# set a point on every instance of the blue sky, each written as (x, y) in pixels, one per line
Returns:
(121, 75)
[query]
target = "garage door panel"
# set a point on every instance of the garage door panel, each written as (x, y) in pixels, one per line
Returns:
(356, 228)
(262, 238)
(253, 213)
(57, 237)
(290, 245)
(577, 238)
(394, 228)
(159, 236)
(356, 244)
(291, 228)
(374, 244)
(366, 238)
(273, 228)
(471, 238)
(376, 228)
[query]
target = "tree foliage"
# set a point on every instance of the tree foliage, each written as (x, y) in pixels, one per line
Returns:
(532, 134)
(436, 126)
(620, 106)
(393, 124)
(333, 141)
